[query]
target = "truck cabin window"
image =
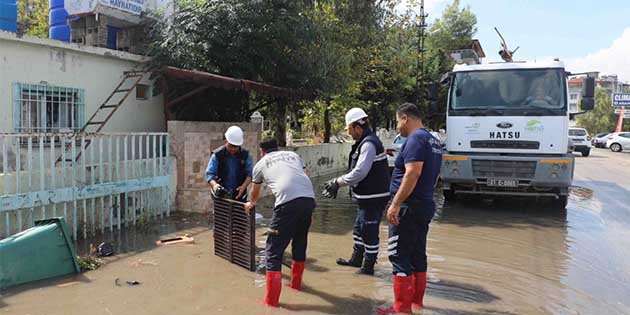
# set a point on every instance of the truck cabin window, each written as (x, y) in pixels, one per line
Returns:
(508, 89)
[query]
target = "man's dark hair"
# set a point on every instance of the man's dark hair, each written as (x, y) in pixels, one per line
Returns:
(269, 144)
(409, 110)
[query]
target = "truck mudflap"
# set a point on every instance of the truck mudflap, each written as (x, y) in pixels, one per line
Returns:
(507, 175)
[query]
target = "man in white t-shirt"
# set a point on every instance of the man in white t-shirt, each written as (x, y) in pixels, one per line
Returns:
(283, 172)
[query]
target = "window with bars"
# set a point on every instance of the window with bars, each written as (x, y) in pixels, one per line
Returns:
(45, 108)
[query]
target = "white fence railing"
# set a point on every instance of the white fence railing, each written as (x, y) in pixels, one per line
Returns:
(96, 181)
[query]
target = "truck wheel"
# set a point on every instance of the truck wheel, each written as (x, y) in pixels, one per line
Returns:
(615, 147)
(586, 153)
(560, 203)
(449, 194)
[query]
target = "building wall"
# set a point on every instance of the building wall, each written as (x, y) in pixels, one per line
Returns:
(95, 70)
(324, 159)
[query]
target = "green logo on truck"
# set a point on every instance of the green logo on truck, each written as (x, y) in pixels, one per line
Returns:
(534, 126)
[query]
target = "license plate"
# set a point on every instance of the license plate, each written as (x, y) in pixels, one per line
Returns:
(495, 182)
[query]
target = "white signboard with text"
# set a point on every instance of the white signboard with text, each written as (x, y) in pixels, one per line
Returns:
(131, 6)
(136, 7)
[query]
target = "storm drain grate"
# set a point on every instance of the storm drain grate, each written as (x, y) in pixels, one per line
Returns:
(234, 237)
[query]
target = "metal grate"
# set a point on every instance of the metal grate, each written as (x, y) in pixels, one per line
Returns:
(234, 237)
(44, 108)
(505, 144)
(504, 169)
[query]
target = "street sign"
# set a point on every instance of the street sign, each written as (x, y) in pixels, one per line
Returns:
(620, 99)
(626, 113)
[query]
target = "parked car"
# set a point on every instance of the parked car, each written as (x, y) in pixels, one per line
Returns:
(579, 136)
(599, 140)
(393, 150)
(618, 141)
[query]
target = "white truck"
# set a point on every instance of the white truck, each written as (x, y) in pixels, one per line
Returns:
(508, 131)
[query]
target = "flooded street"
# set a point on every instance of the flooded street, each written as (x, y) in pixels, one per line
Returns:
(506, 256)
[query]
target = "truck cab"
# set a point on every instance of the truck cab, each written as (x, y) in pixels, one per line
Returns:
(508, 125)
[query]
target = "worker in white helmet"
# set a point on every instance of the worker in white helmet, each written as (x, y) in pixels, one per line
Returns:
(368, 178)
(229, 170)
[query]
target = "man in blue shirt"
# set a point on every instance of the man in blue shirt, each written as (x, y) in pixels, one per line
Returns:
(229, 170)
(415, 174)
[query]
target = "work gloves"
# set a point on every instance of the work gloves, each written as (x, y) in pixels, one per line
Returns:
(330, 188)
(220, 192)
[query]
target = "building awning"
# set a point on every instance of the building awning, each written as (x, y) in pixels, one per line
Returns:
(228, 83)
(183, 87)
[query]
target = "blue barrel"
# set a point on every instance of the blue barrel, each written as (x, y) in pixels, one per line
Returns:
(8, 15)
(59, 28)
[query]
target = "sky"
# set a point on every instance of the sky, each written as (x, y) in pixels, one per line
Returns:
(587, 35)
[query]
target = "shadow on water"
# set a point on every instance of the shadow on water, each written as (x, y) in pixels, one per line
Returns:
(446, 311)
(460, 292)
(499, 213)
(335, 304)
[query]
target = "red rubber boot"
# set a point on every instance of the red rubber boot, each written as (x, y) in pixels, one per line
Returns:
(297, 269)
(420, 286)
(403, 293)
(274, 286)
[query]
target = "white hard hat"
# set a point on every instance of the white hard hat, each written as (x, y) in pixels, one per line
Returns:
(355, 114)
(234, 136)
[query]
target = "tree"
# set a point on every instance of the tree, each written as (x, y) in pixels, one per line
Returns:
(33, 16)
(453, 30)
(602, 118)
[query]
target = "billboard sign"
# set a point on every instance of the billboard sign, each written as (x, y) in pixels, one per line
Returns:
(135, 7)
(131, 6)
(626, 113)
(620, 99)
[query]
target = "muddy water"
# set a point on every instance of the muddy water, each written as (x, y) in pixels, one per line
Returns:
(485, 257)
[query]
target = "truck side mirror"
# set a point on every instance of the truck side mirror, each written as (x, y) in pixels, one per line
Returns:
(588, 88)
(434, 90)
(587, 103)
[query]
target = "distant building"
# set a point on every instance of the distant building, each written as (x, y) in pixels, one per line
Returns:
(471, 54)
(610, 83)
(114, 24)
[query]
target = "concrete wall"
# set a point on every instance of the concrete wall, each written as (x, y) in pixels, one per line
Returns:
(324, 159)
(96, 70)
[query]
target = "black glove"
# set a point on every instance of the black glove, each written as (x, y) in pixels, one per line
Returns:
(219, 191)
(330, 189)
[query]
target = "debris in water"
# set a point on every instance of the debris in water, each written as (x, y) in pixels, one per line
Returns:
(129, 283)
(105, 249)
(89, 262)
(139, 262)
(186, 239)
(67, 284)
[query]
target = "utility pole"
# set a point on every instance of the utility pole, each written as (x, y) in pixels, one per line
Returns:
(420, 61)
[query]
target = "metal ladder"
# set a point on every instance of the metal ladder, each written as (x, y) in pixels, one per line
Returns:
(93, 125)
